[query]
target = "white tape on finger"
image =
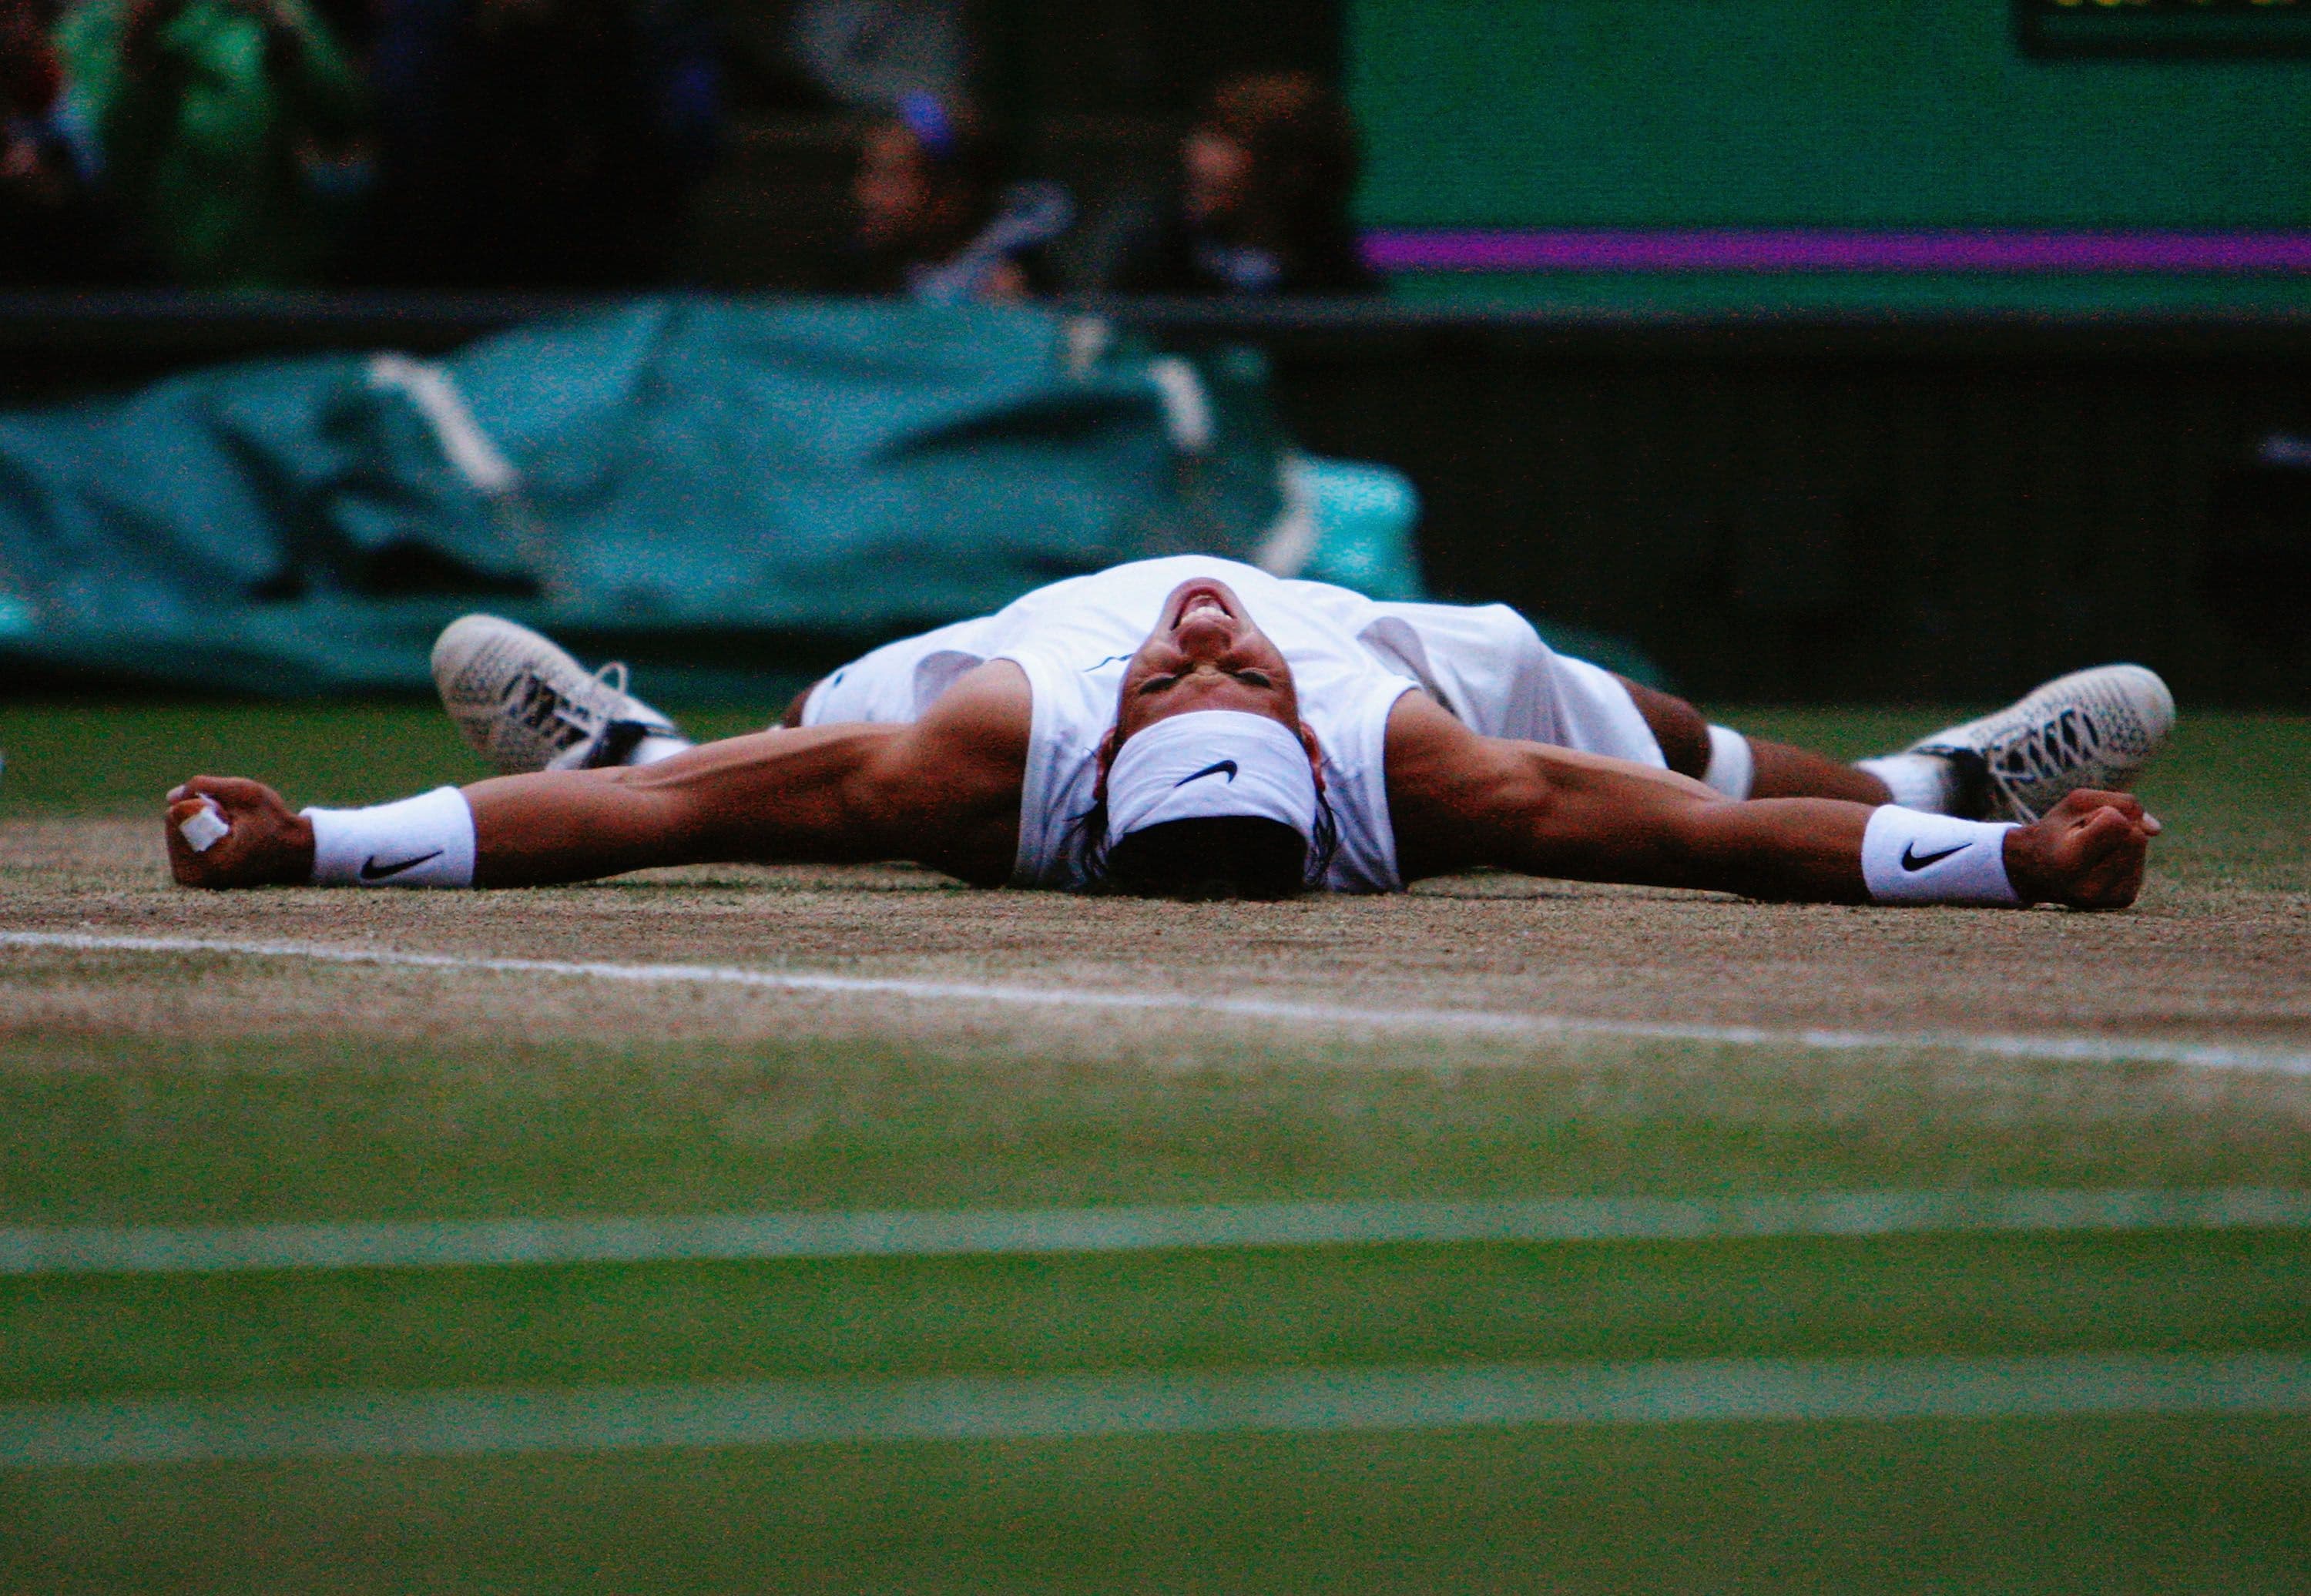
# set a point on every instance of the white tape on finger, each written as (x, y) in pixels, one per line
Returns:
(204, 829)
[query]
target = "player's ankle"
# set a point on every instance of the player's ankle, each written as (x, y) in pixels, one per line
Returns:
(658, 746)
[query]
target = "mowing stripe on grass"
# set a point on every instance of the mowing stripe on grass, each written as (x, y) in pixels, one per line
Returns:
(452, 1423)
(160, 1249)
(2142, 1049)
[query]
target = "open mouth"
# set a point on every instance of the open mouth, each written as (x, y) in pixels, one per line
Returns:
(1198, 597)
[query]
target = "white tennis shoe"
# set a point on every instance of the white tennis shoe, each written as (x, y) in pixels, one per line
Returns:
(526, 705)
(2091, 728)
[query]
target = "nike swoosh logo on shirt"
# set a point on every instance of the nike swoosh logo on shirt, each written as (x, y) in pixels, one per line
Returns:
(1226, 767)
(371, 871)
(1912, 860)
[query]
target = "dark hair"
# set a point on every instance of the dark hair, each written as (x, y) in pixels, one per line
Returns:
(1212, 857)
(1218, 856)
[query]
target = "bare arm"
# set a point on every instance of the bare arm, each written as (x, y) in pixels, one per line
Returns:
(1458, 800)
(944, 790)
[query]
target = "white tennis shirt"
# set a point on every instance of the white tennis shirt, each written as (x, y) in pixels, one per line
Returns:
(1351, 659)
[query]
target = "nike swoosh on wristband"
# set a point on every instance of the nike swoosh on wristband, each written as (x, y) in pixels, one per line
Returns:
(1912, 860)
(371, 871)
(1225, 767)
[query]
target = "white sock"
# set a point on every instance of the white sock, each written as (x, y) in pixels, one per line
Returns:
(1926, 783)
(658, 746)
(1732, 767)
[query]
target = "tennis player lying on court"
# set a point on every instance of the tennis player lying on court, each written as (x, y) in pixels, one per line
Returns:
(1196, 728)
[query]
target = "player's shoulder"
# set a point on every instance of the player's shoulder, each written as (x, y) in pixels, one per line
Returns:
(991, 700)
(1423, 735)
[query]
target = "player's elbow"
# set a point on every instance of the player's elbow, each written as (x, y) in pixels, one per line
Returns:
(877, 809)
(1515, 811)
(665, 813)
(1594, 823)
(892, 804)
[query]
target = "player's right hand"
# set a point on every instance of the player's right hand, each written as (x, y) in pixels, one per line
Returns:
(2087, 852)
(265, 845)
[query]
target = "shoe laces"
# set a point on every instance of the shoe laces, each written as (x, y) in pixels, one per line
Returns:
(2055, 746)
(611, 677)
(541, 704)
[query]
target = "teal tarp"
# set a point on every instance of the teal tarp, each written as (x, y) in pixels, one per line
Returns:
(705, 482)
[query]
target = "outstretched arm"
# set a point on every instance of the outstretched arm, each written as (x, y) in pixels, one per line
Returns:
(1458, 800)
(944, 790)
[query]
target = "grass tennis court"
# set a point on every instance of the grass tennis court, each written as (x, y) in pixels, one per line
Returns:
(937, 1282)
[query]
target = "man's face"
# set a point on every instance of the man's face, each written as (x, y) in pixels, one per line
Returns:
(1217, 177)
(1206, 653)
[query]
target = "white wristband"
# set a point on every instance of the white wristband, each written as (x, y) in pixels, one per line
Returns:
(426, 840)
(1908, 856)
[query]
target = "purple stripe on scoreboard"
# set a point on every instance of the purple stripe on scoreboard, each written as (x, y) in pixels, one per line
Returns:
(1821, 250)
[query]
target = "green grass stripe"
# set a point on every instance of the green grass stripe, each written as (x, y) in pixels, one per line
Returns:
(784, 1413)
(159, 1249)
(2082, 1048)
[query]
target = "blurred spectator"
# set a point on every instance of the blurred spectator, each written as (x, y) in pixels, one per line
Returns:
(229, 132)
(873, 55)
(1261, 205)
(538, 144)
(932, 220)
(52, 228)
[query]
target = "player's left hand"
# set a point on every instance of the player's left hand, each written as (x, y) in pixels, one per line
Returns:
(2087, 852)
(264, 844)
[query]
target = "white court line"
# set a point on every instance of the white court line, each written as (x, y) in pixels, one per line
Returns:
(1475, 1021)
(675, 1238)
(471, 1422)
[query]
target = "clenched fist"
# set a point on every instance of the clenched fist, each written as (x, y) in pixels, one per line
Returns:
(2087, 851)
(263, 845)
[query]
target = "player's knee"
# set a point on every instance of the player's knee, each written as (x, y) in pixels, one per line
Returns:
(1680, 729)
(792, 717)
